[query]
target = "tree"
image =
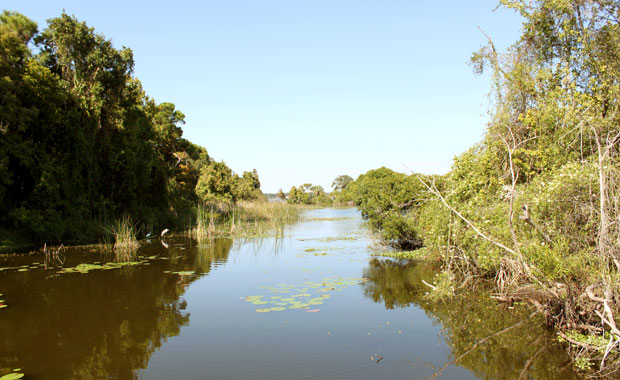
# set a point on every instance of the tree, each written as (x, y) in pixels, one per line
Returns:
(341, 182)
(247, 187)
(215, 183)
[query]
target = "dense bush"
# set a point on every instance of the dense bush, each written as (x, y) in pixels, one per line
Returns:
(81, 143)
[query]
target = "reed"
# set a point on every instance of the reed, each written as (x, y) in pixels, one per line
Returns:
(124, 232)
(243, 218)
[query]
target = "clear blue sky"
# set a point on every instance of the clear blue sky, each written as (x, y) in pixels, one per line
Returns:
(305, 90)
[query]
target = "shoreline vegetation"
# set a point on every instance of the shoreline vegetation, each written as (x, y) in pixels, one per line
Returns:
(534, 207)
(87, 156)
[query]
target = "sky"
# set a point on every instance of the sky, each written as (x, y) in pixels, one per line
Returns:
(306, 90)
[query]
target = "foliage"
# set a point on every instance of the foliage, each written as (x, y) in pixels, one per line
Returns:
(536, 201)
(81, 143)
(387, 201)
(541, 187)
(308, 194)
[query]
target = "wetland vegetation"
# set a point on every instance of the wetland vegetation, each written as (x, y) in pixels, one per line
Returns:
(521, 235)
(84, 150)
(534, 206)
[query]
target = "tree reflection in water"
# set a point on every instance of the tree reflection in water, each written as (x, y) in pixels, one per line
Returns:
(492, 342)
(104, 324)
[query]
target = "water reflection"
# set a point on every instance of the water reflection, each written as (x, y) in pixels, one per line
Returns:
(491, 342)
(104, 324)
(115, 321)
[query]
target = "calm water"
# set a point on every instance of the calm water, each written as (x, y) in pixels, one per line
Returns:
(326, 310)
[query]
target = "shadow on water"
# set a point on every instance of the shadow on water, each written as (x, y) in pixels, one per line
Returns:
(491, 342)
(104, 324)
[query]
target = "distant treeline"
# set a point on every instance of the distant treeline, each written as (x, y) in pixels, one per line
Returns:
(81, 143)
(309, 194)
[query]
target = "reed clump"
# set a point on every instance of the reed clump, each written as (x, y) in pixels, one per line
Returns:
(124, 232)
(243, 218)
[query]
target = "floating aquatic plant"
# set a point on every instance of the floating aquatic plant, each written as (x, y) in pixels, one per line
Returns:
(185, 273)
(301, 296)
(86, 267)
(13, 375)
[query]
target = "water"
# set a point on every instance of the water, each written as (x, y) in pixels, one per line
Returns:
(352, 317)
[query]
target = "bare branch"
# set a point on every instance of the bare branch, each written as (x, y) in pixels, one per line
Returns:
(436, 192)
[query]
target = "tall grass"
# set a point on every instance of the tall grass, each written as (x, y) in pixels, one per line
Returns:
(124, 232)
(243, 218)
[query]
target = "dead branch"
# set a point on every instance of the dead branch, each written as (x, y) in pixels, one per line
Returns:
(436, 374)
(527, 219)
(429, 285)
(436, 192)
(523, 375)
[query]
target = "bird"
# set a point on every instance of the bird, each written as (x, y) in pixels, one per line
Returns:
(164, 232)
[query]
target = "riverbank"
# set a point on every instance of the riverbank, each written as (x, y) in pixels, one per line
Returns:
(313, 303)
(211, 220)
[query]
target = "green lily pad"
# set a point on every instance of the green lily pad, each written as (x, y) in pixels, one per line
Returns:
(277, 308)
(12, 376)
(257, 310)
(185, 273)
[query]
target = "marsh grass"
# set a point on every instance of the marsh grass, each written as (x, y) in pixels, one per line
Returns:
(123, 232)
(242, 219)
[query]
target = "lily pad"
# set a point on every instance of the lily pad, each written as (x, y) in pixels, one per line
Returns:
(12, 376)
(301, 295)
(185, 273)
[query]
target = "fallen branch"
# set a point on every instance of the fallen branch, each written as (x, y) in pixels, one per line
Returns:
(482, 235)
(472, 348)
(429, 285)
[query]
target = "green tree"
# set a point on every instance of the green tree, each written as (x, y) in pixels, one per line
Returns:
(215, 183)
(341, 182)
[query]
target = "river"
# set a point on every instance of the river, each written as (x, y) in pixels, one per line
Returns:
(309, 304)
